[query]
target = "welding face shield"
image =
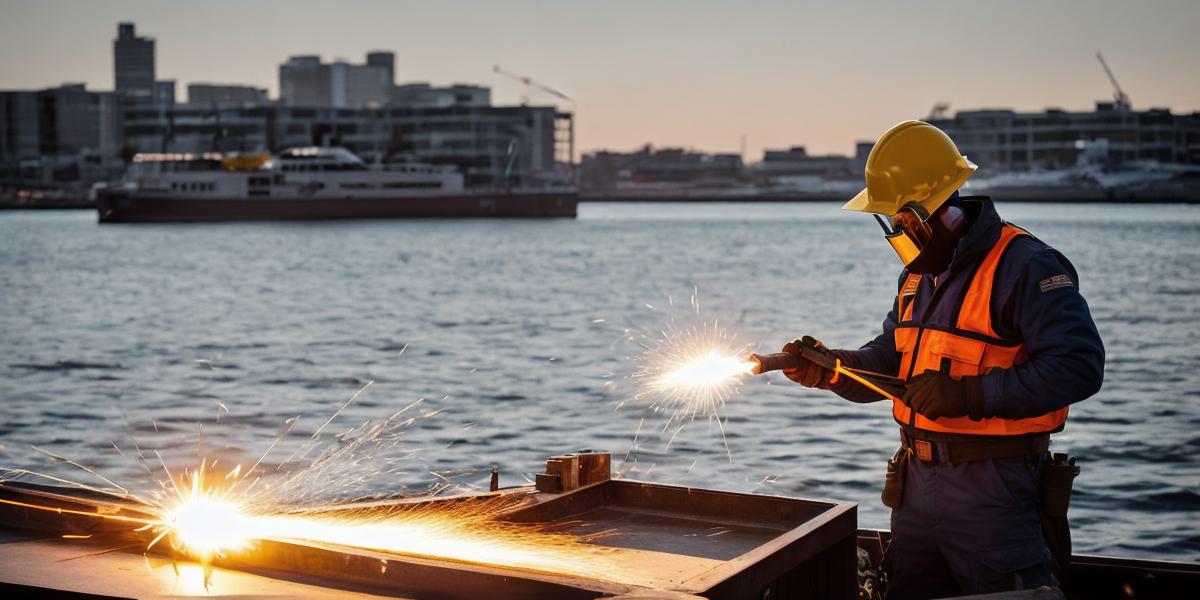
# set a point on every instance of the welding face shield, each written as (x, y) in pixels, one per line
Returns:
(908, 232)
(925, 243)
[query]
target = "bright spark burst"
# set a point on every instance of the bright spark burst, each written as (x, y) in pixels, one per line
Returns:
(687, 369)
(690, 373)
(205, 520)
(208, 514)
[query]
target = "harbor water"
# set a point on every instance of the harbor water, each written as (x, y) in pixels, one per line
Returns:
(518, 336)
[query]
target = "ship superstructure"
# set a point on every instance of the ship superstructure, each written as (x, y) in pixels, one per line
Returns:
(309, 183)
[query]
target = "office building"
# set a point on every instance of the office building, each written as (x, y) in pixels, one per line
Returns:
(423, 95)
(225, 95)
(308, 82)
(385, 60)
(133, 63)
(20, 139)
(1006, 140)
(164, 92)
(61, 134)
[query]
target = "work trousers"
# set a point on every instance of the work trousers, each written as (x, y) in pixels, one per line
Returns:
(967, 528)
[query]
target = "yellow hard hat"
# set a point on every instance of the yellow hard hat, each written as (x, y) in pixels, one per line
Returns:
(913, 163)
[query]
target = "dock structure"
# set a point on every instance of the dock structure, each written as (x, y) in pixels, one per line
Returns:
(652, 542)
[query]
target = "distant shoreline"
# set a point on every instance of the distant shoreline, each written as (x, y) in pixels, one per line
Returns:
(6, 205)
(796, 199)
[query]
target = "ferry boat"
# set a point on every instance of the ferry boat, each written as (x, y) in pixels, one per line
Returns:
(308, 183)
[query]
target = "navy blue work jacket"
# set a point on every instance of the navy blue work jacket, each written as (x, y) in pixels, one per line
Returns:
(1030, 302)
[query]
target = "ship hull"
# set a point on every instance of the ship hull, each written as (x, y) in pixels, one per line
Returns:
(115, 206)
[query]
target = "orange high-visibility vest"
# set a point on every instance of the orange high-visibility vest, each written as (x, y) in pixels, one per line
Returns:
(972, 346)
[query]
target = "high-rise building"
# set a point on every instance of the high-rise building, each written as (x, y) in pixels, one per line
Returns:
(306, 81)
(133, 62)
(387, 60)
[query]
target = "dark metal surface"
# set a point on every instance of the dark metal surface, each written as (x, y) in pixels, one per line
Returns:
(667, 538)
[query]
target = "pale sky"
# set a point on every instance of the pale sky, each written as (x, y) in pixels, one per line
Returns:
(697, 74)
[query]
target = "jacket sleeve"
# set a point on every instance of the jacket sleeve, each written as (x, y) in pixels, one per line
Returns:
(1066, 357)
(877, 355)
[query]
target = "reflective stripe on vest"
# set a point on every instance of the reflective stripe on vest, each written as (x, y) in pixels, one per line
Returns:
(972, 347)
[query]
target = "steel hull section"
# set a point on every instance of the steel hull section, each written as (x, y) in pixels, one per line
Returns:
(133, 207)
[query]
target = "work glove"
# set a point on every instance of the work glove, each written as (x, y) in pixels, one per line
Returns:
(935, 394)
(808, 373)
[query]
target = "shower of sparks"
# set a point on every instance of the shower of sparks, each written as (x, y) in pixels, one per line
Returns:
(688, 371)
(691, 373)
(207, 514)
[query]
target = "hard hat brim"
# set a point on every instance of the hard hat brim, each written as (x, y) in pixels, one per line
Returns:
(862, 202)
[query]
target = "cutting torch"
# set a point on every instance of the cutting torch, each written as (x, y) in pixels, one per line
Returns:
(886, 385)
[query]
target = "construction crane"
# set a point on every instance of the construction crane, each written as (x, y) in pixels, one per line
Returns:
(938, 111)
(1119, 97)
(530, 84)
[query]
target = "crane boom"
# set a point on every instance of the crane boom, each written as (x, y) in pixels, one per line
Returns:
(1118, 94)
(530, 83)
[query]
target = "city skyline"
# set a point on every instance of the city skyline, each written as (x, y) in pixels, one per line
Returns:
(697, 75)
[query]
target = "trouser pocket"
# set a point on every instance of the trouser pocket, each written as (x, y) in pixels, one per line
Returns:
(1012, 567)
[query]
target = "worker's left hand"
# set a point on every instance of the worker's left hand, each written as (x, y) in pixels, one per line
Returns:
(935, 394)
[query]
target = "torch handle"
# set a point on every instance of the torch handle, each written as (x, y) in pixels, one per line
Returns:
(773, 362)
(886, 384)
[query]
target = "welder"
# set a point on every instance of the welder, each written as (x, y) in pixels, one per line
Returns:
(993, 342)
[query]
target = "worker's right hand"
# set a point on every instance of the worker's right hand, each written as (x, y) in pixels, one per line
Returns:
(808, 373)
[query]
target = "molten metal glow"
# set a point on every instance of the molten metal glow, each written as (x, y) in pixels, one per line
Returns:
(444, 533)
(205, 527)
(706, 370)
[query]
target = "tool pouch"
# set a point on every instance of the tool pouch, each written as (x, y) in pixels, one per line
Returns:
(1058, 478)
(893, 483)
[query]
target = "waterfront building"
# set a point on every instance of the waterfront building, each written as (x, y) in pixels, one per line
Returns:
(20, 139)
(490, 145)
(133, 63)
(797, 161)
(164, 92)
(61, 134)
(225, 95)
(654, 169)
(1004, 140)
(306, 81)
(423, 95)
(385, 60)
